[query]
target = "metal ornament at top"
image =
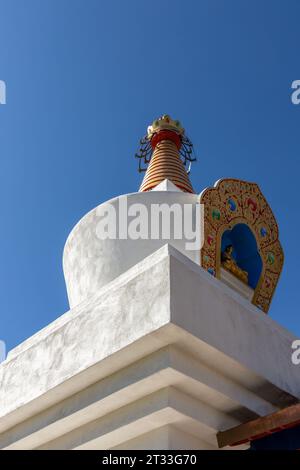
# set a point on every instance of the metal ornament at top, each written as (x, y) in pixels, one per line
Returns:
(165, 123)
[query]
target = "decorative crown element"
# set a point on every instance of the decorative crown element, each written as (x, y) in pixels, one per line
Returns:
(165, 122)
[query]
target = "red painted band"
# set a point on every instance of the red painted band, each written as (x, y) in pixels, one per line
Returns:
(166, 135)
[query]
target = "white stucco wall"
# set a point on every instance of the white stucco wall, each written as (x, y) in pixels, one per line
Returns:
(164, 344)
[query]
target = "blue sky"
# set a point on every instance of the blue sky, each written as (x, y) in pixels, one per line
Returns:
(84, 79)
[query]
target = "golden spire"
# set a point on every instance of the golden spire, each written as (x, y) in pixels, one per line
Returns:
(171, 153)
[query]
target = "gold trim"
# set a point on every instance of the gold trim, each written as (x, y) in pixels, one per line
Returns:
(252, 209)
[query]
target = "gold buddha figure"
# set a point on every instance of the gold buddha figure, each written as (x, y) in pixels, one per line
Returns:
(229, 263)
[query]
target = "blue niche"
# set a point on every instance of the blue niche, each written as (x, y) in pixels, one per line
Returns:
(245, 251)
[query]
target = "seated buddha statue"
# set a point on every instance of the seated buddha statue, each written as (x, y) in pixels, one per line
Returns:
(229, 263)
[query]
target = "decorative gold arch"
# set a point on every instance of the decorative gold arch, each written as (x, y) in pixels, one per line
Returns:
(230, 202)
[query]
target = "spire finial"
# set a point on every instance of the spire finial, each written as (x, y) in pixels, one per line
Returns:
(169, 153)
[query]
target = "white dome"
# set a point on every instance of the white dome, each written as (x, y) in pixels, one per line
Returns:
(90, 262)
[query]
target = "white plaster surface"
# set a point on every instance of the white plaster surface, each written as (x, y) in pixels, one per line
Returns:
(167, 406)
(164, 344)
(167, 437)
(237, 285)
(167, 185)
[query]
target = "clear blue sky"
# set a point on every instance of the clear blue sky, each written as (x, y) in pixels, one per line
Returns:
(84, 79)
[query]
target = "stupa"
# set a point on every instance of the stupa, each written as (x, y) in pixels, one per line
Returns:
(167, 344)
